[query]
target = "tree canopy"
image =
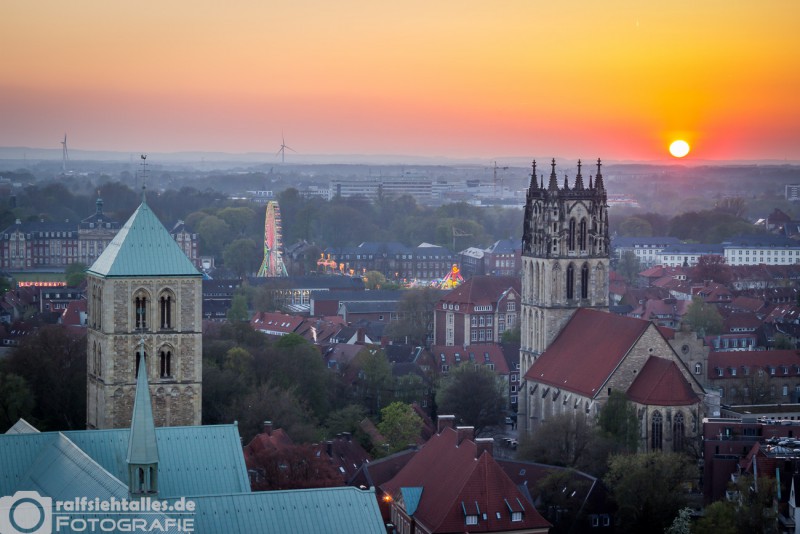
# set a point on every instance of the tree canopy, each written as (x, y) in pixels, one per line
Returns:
(474, 394)
(703, 318)
(400, 426)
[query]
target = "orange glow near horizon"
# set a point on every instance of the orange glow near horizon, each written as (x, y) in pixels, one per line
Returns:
(616, 79)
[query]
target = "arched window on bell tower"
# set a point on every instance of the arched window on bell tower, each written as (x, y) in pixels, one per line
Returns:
(165, 363)
(139, 360)
(166, 303)
(140, 302)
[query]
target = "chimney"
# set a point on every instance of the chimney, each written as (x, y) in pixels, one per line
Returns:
(445, 421)
(360, 336)
(484, 444)
(329, 448)
(268, 428)
(465, 432)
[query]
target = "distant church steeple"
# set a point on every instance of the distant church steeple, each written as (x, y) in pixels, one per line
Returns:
(142, 456)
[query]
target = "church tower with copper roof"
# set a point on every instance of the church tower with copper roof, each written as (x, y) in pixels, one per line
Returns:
(144, 306)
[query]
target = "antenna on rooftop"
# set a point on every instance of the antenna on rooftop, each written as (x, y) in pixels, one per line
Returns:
(64, 154)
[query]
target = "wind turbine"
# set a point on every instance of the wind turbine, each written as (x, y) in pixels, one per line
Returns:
(283, 148)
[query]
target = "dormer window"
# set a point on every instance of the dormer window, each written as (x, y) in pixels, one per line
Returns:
(516, 516)
(472, 520)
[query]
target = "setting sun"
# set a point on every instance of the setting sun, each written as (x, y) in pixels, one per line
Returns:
(679, 148)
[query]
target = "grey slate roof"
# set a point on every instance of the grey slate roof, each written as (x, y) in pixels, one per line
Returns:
(143, 247)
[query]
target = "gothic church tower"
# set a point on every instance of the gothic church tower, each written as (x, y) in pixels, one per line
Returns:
(144, 304)
(565, 257)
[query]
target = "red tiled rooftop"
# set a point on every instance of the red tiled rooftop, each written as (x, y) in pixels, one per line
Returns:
(587, 351)
(661, 383)
(450, 474)
(481, 290)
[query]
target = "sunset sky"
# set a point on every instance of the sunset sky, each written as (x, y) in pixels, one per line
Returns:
(612, 78)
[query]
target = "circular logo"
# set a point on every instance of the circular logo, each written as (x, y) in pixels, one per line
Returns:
(27, 515)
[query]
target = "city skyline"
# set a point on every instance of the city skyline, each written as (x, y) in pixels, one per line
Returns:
(449, 79)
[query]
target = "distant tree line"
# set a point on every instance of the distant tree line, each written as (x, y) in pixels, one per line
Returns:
(723, 221)
(232, 230)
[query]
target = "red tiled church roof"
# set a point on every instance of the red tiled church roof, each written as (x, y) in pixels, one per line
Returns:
(660, 383)
(583, 366)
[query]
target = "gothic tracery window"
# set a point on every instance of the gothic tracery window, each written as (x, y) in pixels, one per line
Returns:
(678, 433)
(585, 281)
(570, 281)
(656, 432)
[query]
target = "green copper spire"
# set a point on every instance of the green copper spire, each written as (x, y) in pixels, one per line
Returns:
(142, 447)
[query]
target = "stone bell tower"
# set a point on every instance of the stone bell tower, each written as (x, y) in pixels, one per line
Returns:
(144, 304)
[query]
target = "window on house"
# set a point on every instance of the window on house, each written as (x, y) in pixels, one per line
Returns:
(516, 516)
(698, 368)
(472, 520)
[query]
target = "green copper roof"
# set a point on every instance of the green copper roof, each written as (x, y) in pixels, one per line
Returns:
(342, 510)
(411, 497)
(192, 460)
(143, 247)
(142, 447)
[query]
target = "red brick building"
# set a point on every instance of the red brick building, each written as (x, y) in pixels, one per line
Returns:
(477, 311)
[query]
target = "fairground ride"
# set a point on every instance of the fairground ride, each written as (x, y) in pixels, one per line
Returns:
(273, 262)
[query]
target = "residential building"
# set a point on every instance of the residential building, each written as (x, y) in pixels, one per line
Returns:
(420, 188)
(477, 311)
(646, 249)
(687, 254)
(764, 248)
(471, 261)
(94, 234)
(394, 260)
(454, 484)
(42, 245)
(755, 377)
(503, 258)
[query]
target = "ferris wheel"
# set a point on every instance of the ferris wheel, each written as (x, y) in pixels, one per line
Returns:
(273, 262)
